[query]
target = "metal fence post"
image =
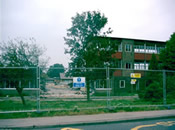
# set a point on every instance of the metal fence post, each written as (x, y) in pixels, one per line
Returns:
(164, 87)
(108, 87)
(38, 91)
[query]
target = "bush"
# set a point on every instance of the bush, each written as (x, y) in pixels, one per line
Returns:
(170, 86)
(153, 92)
(141, 94)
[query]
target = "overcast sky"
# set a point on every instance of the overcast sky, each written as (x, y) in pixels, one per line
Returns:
(47, 20)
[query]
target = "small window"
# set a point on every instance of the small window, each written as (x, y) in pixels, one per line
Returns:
(128, 66)
(147, 66)
(120, 48)
(136, 66)
(128, 48)
(122, 84)
(101, 84)
(136, 48)
(142, 66)
(119, 64)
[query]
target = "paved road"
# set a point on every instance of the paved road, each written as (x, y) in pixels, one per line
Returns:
(43, 122)
(161, 124)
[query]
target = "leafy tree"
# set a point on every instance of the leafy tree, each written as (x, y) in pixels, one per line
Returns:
(153, 63)
(55, 70)
(20, 53)
(100, 51)
(85, 46)
(153, 75)
(85, 26)
(167, 56)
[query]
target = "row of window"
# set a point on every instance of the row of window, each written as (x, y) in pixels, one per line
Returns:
(128, 48)
(101, 84)
(122, 84)
(147, 49)
(10, 84)
(141, 66)
(137, 66)
(141, 48)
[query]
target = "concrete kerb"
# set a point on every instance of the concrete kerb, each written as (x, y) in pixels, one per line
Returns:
(98, 121)
(89, 123)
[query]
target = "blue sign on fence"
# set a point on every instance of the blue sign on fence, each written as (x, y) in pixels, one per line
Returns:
(78, 82)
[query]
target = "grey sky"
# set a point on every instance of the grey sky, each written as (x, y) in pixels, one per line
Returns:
(47, 20)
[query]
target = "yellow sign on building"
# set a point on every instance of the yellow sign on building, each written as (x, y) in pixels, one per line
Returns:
(135, 75)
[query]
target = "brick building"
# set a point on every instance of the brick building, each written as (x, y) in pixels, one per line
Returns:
(133, 56)
(136, 53)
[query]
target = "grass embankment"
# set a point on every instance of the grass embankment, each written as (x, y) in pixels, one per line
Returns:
(61, 108)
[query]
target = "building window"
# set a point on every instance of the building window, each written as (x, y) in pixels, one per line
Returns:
(151, 49)
(147, 65)
(101, 84)
(139, 48)
(120, 48)
(148, 49)
(141, 66)
(136, 66)
(119, 63)
(122, 83)
(128, 48)
(128, 66)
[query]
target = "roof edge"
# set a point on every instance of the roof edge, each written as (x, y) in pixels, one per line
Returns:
(121, 38)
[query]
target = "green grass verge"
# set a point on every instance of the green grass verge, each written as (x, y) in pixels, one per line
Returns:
(77, 112)
(10, 105)
(75, 107)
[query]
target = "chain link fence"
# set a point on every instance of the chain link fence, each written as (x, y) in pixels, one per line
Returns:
(77, 89)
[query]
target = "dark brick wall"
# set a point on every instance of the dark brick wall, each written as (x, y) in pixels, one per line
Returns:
(143, 56)
(117, 55)
(117, 73)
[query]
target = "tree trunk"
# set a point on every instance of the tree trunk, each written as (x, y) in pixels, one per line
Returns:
(19, 90)
(22, 98)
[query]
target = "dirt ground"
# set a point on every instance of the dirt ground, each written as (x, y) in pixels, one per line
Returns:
(62, 90)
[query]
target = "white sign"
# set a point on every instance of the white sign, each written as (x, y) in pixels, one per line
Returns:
(78, 82)
(133, 81)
